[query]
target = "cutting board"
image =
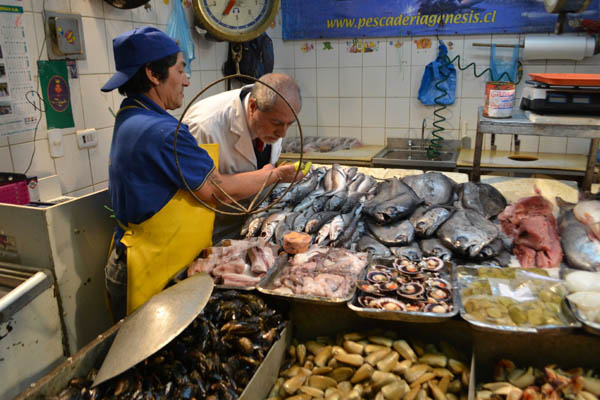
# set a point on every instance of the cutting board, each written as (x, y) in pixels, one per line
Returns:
(563, 119)
(361, 154)
(499, 159)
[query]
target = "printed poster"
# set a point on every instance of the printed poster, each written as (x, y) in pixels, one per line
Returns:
(312, 19)
(16, 75)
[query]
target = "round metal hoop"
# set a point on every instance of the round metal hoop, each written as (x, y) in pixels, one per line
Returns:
(255, 203)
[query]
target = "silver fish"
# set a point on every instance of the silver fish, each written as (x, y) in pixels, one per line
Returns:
(481, 197)
(427, 220)
(308, 200)
(432, 187)
(323, 235)
(412, 252)
(582, 250)
(368, 243)
(435, 248)
(300, 222)
(254, 226)
(393, 201)
(336, 201)
(317, 220)
(467, 232)
(396, 234)
(268, 227)
(335, 179)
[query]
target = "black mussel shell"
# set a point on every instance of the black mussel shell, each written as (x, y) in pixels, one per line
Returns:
(389, 304)
(438, 294)
(378, 276)
(431, 264)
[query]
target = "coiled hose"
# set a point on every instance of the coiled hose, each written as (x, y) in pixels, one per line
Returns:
(433, 151)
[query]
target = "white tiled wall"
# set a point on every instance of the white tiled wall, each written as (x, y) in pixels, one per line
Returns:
(364, 88)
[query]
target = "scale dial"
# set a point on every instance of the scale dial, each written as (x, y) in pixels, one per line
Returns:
(236, 20)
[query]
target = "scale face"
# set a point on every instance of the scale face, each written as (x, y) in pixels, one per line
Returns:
(236, 20)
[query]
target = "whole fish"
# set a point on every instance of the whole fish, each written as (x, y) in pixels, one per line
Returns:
(335, 179)
(270, 223)
(352, 201)
(392, 201)
(396, 234)
(581, 251)
(412, 252)
(339, 224)
(308, 200)
(323, 235)
(588, 212)
(300, 222)
(318, 220)
(351, 173)
(319, 203)
(481, 197)
(467, 232)
(353, 186)
(368, 243)
(281, 230)
(435, 248)
(432, 187)
(348, 232)
(253, 224)
(366, 185)
(427, 220)
(336, 201)
(301, 189)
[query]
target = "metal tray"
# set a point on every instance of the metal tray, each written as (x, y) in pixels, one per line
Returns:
(590, 327)
(264, 286)
(406, 316)
(493, 328)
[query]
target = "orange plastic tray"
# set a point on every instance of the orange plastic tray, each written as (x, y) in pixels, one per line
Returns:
(568, 79)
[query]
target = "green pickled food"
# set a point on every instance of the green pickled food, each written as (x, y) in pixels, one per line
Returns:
(518, 315)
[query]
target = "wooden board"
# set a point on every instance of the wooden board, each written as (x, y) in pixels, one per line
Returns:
(499, 159)
(363, 154)
(562, 119)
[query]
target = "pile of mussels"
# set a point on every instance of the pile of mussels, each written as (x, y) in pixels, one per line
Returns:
(213, 358)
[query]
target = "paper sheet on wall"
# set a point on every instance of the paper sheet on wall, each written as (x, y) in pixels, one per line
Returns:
(16, 75)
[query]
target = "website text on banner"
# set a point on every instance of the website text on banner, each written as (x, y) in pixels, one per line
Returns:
(311, 19)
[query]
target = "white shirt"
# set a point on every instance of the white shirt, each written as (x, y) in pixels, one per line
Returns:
(222, 119)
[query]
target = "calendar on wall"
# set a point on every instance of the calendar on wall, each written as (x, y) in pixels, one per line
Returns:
(16, 75)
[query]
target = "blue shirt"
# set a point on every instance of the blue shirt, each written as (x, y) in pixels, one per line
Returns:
(142, 172)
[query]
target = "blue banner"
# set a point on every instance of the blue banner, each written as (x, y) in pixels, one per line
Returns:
(312, 19)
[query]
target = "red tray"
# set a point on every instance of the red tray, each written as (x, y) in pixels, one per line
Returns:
(568, 79)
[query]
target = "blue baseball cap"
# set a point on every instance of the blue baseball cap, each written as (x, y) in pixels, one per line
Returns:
(136, 48)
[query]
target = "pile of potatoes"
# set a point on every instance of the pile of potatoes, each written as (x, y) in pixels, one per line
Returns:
(378, 366)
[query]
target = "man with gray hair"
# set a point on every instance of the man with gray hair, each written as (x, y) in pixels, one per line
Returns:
(247, 123)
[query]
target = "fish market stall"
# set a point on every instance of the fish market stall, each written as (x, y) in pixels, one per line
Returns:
(378, 270)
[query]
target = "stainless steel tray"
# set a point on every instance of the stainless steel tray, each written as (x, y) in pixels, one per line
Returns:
(266, 284)
(493, 328)
(590, 327)
(406, 316)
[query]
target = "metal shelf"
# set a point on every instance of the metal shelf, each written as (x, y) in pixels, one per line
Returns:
(519, 124)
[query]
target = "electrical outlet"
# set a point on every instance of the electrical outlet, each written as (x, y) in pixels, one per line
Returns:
(87, 138)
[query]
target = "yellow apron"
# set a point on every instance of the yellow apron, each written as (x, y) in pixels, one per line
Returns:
(164, 244)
